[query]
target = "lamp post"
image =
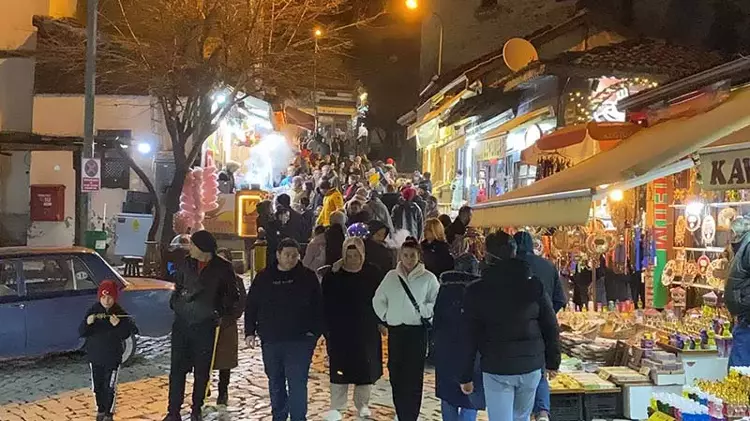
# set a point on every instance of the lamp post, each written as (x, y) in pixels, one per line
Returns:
(317, 33)
(414, 5)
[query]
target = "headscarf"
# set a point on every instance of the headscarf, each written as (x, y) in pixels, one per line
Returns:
(358, 245)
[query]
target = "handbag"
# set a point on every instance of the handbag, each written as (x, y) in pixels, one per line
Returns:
(425, 322)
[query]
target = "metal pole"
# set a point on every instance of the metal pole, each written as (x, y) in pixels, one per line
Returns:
(90, 79)
(315, 87)
(440, 46)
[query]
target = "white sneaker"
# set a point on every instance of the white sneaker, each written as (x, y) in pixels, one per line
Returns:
(365, 413)
(333, 415)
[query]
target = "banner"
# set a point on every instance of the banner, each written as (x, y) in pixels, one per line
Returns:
(726, 170)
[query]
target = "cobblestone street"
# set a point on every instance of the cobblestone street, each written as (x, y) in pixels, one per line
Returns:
(58, 388)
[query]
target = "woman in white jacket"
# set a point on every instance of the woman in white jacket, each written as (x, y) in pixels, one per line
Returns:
(404, 302)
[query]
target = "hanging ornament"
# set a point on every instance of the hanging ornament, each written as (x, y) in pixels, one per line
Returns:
(726, 216)
(679, 231)
(703, 263)
(691, 270)
(708, 230)
(693, 222)
(667, 275)
(678, 297)
(598, 243)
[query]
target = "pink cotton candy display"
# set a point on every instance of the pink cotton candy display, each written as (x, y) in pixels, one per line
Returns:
(199, 195)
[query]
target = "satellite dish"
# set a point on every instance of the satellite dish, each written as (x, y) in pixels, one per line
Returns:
(518, 53)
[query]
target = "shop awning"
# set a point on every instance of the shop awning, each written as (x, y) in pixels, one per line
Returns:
(299, 118)
(580, 142)
(565, 198)
(519, 121)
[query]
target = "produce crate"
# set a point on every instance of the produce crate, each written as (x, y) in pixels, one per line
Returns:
(602, 405)
(566, 407)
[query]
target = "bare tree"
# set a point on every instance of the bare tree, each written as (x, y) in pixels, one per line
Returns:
(186, 52)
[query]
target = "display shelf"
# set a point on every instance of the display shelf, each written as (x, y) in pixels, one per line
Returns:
(702, 249)
(672, 349)
(700, 286)
(715, 205)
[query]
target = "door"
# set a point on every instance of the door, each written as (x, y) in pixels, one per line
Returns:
(12, 312)
(59, 291)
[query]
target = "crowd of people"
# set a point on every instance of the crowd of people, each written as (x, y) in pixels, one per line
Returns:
(358, 255)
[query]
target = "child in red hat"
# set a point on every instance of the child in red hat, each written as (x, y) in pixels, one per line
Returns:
(105, 327)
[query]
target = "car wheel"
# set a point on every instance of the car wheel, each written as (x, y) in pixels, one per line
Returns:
(129, 347)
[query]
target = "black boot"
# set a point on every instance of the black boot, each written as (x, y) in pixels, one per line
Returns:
(223, 399)
(196, 416)
(100, 416)
(172, 417)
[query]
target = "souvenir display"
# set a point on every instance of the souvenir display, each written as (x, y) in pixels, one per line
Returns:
(598, 243)
(693, 222)
(703, 263)
(708, 230)
(668, 273)
(726, 216)
(679, 231)
(678, 297)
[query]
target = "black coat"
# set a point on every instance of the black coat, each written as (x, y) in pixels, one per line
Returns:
(450, 343)
(201, 295)
(390, 200)
(284, 306)
(542, 269)
(104, 342)
(407, 216)
(380, 255)
(437, 257)
(335, 237)
(510, 321)
(353, 338)
(456, 228)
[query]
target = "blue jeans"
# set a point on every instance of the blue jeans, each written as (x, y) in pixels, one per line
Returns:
(740, 354)
(510, 397)
(287, 364)
(542, 401)
(454, 413)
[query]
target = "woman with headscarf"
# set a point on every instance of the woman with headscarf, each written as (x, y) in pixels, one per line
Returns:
(353, 335)
(404, 302)
(436, 252)
(335, 236)
(449, 339)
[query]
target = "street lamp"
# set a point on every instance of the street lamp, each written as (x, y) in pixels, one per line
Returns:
(317, 34)
(414, 5)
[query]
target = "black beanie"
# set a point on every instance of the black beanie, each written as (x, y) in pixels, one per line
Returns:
(205, 241)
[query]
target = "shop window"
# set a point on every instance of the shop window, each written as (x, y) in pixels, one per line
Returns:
(524, 175)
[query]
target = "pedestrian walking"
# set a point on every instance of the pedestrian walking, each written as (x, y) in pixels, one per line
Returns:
(226, 346)
(204, 292)
(315, 254)
(404, 302)
(333, 201)
(377, 251)
(736, 297)
(379, 211)
(285, 310)
(335, 236)
(105, 327)
(353, 336)
(436, 253)
(450, 340)
(511, 323)
(407, 215)
(548, 274)
(458, 227)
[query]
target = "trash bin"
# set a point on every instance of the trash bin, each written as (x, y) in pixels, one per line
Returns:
(96, 240)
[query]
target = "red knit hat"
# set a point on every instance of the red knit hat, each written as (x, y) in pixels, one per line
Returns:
(108, 288)
(390, 161)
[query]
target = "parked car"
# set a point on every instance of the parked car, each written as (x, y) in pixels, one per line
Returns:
(45, 292)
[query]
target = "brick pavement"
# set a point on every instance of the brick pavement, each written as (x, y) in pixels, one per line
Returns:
(57, 389)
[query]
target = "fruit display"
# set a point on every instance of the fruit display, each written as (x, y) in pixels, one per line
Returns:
(564, 382)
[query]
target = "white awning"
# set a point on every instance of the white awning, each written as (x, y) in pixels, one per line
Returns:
(565, 198)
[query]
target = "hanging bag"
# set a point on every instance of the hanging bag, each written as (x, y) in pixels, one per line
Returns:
(425, 322)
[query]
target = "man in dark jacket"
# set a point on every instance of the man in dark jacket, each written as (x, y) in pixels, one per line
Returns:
(204, 291)
(548, 274)
(407, 215)
(295, 227)
(458, 227)
(285, 310)
(390, 198)
(376, 251)
(737, 295)
(511, 323)
(105, 327)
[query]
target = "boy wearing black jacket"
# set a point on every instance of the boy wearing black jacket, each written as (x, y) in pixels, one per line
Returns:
(285, 309)
(105, 327)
